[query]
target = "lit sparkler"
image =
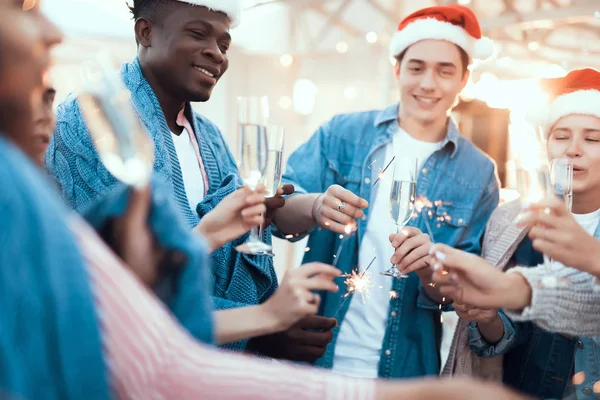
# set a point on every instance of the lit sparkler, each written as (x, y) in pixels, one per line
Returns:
(357, 283)
(380, 176)
(347, 230)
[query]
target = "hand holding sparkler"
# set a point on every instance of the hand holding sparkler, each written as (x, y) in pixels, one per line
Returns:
(295, 297)
(338, 207)
(305, 341)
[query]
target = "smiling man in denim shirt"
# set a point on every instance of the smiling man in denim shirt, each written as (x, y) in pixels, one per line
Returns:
(395, 332)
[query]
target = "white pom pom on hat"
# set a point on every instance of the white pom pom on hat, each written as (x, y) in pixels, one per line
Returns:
(231, 8)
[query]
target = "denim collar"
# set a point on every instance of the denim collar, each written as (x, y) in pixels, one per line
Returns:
(389, 115)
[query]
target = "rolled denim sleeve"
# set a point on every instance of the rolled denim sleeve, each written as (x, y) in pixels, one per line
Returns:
(482, 348)
(426, 302)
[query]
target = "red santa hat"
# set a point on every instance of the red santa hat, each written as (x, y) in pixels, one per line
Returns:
(576, 93)
(232, 8)
(454, 23)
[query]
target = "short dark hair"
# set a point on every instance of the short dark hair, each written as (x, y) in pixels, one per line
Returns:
(148, 8)
(464, 57)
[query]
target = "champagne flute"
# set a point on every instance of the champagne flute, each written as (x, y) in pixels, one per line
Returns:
(272, 177)
(534, 184)
(402, 200)
(561, 176)
(252, 156)
(116, 130)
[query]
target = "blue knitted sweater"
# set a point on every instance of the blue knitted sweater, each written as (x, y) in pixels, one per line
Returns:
(238, 279)
(50, 345)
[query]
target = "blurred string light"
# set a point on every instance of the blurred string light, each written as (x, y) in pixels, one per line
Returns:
(464, 2)
(597, 14)
(286, 60)
(350, 93)
(371, 37)
(533, 46)
(285, 102)
(341, 47)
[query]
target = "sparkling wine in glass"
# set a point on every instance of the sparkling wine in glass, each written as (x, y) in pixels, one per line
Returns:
(561, 176)
(534, 184)
(275, 141)
(253, 154)
(273, 173)
(402, 200)
(116, 130)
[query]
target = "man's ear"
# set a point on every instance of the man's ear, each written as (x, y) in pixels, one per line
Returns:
(143, 32)
(465, 79)
(397, 70)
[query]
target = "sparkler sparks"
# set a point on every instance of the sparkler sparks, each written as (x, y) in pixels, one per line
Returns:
(422, 202)
(357, 283)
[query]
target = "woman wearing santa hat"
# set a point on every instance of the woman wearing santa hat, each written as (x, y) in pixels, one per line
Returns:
(535, 361)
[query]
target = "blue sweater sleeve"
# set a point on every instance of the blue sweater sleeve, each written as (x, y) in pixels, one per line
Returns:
(72, 160)
(184, 287)
(50, 340)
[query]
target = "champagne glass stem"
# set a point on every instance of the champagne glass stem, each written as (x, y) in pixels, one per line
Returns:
(254, 235)
(261, 230)
(395, 266)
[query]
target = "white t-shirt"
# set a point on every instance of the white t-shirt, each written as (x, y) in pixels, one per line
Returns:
(359, 344)
(589, 222)
(193, 181)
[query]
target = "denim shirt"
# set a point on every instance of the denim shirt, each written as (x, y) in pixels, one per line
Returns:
(458, 180)
(537, 362)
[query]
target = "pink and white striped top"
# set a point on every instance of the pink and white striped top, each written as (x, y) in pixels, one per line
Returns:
(150, 356)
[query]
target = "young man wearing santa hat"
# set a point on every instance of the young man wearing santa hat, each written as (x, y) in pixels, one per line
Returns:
(395, 331)
(182, 54)
(558, 297)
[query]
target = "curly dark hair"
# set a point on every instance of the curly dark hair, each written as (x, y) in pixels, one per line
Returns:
(148, 8)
